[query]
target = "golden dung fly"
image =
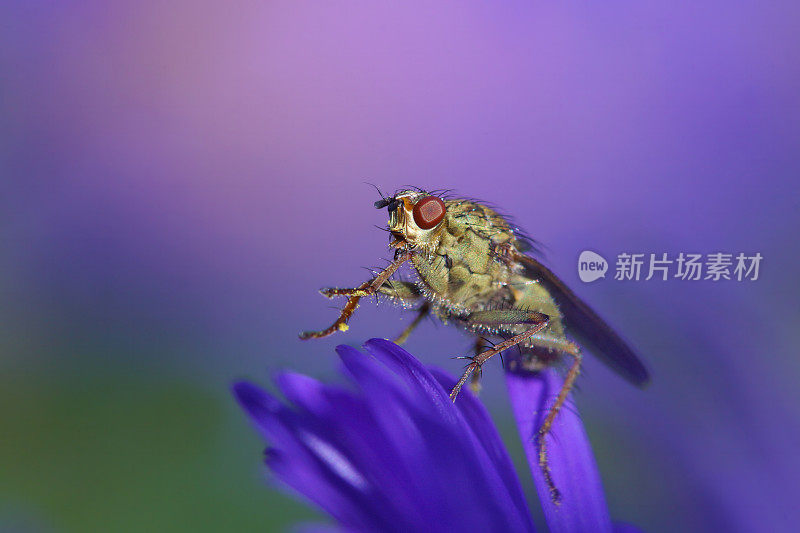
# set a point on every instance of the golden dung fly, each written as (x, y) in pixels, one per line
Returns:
(473, 271)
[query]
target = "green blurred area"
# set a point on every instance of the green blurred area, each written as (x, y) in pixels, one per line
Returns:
(129, 454)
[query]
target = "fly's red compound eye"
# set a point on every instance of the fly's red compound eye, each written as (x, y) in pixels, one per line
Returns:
(428, 212)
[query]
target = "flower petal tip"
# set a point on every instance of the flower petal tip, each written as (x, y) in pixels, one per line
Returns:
(385, 345)
(249, 396)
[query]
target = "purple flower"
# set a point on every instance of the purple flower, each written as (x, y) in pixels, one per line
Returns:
(394, 453)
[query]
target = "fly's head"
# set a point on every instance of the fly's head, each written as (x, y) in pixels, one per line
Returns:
(415, 219)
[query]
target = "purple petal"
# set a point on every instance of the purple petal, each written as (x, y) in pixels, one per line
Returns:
(302, 459)
(388, 401)
(481, 424)
(624, 527)
(583, 506)
(349, 427)
(413, 372)
(432, 431)
(471, 418)
(382, 456)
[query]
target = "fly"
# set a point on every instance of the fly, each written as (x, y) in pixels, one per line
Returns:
(473, 271)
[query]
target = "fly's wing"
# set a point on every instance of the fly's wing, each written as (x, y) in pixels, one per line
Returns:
(588, 327)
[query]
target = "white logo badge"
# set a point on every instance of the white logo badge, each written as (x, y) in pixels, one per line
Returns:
(591, 266)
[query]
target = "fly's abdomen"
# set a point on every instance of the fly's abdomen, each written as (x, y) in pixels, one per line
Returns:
(532, 296)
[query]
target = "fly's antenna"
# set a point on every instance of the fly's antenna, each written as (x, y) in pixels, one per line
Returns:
(384, 201)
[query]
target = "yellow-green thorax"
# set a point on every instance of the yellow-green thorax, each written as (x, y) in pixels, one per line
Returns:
(467, 262)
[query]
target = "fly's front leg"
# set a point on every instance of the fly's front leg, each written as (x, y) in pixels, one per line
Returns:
(365, 289)
(495, 318)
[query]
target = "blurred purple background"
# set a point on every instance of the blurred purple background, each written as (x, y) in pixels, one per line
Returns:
(179, 179)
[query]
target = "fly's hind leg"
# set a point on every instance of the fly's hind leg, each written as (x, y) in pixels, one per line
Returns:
(573, 350)
(475, 381)
(496, 319)
(367, 288)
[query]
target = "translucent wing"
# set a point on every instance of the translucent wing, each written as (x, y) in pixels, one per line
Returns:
(587, 326)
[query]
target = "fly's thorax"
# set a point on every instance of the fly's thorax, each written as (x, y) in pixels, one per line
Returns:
(465, 272)
(420, 221)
